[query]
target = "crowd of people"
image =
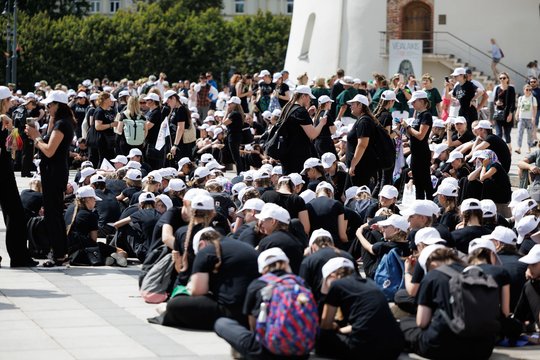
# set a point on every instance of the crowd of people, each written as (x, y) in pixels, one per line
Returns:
(383, 196)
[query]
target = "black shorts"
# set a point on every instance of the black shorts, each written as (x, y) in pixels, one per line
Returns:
(495, 60)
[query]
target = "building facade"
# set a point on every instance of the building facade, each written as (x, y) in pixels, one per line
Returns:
(109, 7)
(250, 7)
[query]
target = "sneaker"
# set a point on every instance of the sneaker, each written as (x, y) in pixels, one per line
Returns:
(109, 261)
(120, 260)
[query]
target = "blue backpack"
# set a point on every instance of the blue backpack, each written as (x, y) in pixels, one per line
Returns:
(389, 274)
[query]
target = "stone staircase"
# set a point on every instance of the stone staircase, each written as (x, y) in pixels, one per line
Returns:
(452, 62)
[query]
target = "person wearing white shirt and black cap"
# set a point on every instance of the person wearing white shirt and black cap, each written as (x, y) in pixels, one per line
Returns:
(368, 327)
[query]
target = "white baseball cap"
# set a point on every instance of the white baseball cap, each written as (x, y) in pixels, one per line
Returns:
(267, 114)
(362, 189)
(525, 226)
(276, 77)
(97, 178)
(350, 193)
(235, 190)
(194, 192)
(489, 209)
(447, 189)
(122, 93)
(87, 192)
(296, 178)
(304, 89)
(502, 234)
(183, 161)
(397, 221)
(311, 163)
(483, 244)
(87, 163)
(152, 96)
(276, 113)
(426, 252)
(206, 157)
(438, 123)
(252, 204)
(317, 234)
(388, 95)
(324, 99)
(328, 159)
(234, 100)
(483, 124)
(459, 71)
(470, 204)
(94, 96)
(269, 257)
(86, 172)
(134, 152)
(389, 192)
(165, 200)
(147, 196)
(277, 170)
(273, 211)
(167, 95)
(133, 165)
(331, 266)
(261, 174)
(324, 185)
(416, 95)
(155, 175)
(522, 208)
(459, 120)
(347, 80)
(533, 257)
(120, 159)
(197, 238)
(360, 99)
(213, 164)
(201, 172)
(134, 174)
(418, 207)
(428, 236)
(308, 195)
(264, 73)
(55, 96)
(438, 150)
(203, 202)
(175, 185)
(518, 196)
(80, 94)
(454, 155)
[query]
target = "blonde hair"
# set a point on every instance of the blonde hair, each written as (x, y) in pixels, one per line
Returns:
(133, 107)
(102, 97)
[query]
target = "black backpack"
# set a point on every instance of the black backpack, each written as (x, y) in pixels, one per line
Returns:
(277, 146)
(385, 150)
(38, 242)
(474, 300)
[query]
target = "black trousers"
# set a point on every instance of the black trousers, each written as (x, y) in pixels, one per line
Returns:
(324, 144)
(338, 346)
(198, 312)
(234, 148)
(528, 306)
(13, 213)
(405, 301)
(245, 341)
(54, 182)
(27, 160)
(420, 167)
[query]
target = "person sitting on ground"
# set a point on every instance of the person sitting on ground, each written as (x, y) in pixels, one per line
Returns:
(387, 199)
(528, 307)
(108, 209)
(366, 325)
(245, 218)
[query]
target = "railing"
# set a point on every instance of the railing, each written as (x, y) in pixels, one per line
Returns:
(444, 42)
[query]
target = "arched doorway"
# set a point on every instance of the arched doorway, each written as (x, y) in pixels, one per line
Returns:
(417, 23)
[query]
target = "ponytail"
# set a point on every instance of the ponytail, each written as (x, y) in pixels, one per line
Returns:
(206, 216)
(380, 107)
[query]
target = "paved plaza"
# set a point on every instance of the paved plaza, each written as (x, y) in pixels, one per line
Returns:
(97, 313)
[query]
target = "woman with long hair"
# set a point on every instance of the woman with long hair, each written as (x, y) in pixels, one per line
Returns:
(324, 143)
(505, 105)
(54, 151)
(234, 120)
(244, 90)
(180, 119)
(526, 113)
(10, 201)
(104, 122)
(131, 112)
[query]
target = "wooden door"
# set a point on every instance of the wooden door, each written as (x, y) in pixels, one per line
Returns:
(417, 24)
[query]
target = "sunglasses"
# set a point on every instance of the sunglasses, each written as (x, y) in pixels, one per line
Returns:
(528, 89)
(503, 78)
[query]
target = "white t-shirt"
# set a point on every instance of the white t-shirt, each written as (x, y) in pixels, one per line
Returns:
(525, 106)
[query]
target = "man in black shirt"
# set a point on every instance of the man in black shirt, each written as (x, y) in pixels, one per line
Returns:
(492, 142)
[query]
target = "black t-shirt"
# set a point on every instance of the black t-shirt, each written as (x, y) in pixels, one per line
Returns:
(363, 127)
(249, 236)
(325, 131)
(252, 303)
(500, 148)
(500, 275)
(32, 202)
(291, 246)
(385, 118)
(115, 185)
(299, 142)
(153, 116)
(282, 90)
(450, 219)
(465, 138)
(57, 165)
(323, 214)
(465, 93)
(364, 306)
(421, 147)
(338, 181)
(172, 217)
(235, 127)
(128, 192)
(85, 221)
(500, 190)
(238, 269)
(106, 117)
(144, 221)
(383, 247)
(516, 270)
(311, 267)
(266, 88)
(292, 202)
(178, 115)
(434, 291)
(79, 111)
(108, 208)
(462, 237)
(19, 120)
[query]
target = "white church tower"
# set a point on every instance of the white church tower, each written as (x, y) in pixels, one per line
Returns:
(353, 35)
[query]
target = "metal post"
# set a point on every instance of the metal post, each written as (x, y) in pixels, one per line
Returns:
(6, 12)
(14, 45)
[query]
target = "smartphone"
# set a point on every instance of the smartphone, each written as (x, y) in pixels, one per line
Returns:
(446, 79)
(31, 122)
(323, 113)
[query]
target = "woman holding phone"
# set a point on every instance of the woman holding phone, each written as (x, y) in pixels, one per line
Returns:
(324, 143)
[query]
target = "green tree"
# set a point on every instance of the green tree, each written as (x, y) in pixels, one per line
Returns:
(54, 8)
(189, 5)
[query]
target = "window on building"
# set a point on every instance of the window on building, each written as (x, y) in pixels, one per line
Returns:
(115, 5)
(290, 6)
(239, 6)
(308, 34)
(95, 6)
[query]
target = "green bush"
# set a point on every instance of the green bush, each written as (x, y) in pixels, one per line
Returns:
(180, 42)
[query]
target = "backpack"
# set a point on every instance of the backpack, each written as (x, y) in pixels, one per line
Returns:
(152, 258)
(277, 146)
(154, 286)
(385, 150)
(474, 301)
(134, 130)
(288, 320)
(38, 242)
(502, 54)
(389, 274)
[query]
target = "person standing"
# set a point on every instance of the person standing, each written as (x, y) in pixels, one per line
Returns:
(10, 201)
(154, 157)
(434, 96)
(496, 56)
(526, 113)
(180, 119)
(235, 122)
(505, 105)
(466, 93)
(54, 152)
(104, 123)
(324, 143)
(418, 133)
(26, 156)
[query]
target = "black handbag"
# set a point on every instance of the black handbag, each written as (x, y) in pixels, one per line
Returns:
(498, 115)
(93, 137)
(247, 135)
